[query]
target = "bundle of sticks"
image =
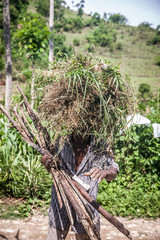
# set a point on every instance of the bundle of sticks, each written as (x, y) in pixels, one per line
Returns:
(68, 190)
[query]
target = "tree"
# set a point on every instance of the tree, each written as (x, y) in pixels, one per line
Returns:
(32, 38)
(80, 6)
(43, 8)
(96, 19)
(117, 18)
(105, 16)
(145, 24)
(7, 40)
(51, 25)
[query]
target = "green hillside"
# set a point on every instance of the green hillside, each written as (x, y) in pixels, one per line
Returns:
(133, 48)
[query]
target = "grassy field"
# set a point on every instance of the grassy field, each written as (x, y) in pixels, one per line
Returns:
(135, 56)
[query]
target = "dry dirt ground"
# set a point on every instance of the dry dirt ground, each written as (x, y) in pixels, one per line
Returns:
(35, 228)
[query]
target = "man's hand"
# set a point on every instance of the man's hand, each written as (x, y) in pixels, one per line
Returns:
(96, 173)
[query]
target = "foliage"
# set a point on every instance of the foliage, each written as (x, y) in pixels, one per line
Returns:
(157, 60)
(137, 199)
(73, 24)
(103, 36)
(95, 20)
(11, 208)
(117, 18)
(80, 6)
(21, 173)
(32, 36)
(59, 40)
(1, 63)
(119, 46)
(136, 190)
(154, 108)
(17, 7)
(42, 7)
(59, 9)
(145, 24)
(76, 42)
(155, 39)
(144, 90)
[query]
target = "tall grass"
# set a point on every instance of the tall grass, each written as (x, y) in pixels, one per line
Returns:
(21, 173)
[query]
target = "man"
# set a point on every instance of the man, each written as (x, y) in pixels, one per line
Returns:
(91, 164)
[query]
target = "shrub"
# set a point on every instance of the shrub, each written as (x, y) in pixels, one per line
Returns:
(119, 46)
(117, 18)
(73, 24)
(76, 42)
(96, 19)
(21, 172)
(157, 60)
(135, 192)
(144, 89)
(77, 23)
(155, 39)
(103, 36)
(1, 63)
(145, 24)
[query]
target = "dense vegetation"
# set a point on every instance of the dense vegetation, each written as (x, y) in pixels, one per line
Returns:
(136, 190)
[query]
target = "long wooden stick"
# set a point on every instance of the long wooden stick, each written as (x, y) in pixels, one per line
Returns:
(101, 210)
(81, 214)
(43, 133)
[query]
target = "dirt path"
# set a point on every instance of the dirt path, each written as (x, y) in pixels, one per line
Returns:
(35, 228)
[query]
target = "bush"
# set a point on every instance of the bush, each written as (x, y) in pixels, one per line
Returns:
(119, 46)
(103, 36)
(96, 19)
(144, 90)
(117, 18)
(76, 42)
(135, 192)
(21, 172)
(73, 24)
(157, 60)
(156, 39)
(1, 63)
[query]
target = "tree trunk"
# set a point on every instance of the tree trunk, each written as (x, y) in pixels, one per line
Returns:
(7, 40)
(51, 25)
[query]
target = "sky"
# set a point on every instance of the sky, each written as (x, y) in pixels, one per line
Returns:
(136, 11)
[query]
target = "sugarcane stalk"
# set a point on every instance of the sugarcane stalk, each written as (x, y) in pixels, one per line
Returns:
(81, 214)
(43, 133)
(55, 183)
(101, 210)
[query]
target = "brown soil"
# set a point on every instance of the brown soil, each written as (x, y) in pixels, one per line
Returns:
(35, 228)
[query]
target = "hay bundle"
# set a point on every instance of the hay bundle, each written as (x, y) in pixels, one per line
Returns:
(87, 98)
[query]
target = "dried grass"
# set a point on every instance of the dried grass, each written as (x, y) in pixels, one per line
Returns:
(87, 98)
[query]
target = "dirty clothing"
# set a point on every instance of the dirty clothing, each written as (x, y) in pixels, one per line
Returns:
(58, 217)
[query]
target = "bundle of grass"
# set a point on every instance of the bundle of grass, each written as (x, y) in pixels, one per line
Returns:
(87, 98)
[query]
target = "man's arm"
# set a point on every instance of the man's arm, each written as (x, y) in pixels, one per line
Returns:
(96, 173)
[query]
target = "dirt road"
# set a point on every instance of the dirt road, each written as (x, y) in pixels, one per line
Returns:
(35, 228)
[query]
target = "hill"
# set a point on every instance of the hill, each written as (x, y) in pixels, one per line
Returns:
(132, 49)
